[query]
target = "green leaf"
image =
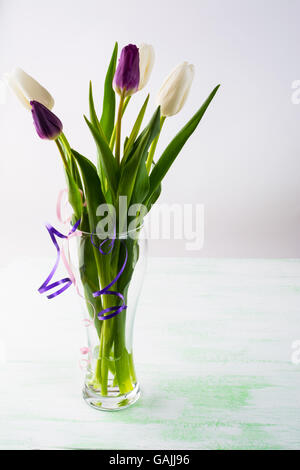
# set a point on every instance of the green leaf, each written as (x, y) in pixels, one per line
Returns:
(93, 115)
(74, 196)
(92, 187)
(153, 198)
(95, 122)
(106, 160)
(173, 149)
(86, 251)
(89, 278)
(131, 167)
(142, 185)
(136, 128)
(133, 149)
(109, 101)
(70, 159)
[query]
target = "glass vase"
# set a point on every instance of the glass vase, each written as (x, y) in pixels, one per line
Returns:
(108, 278)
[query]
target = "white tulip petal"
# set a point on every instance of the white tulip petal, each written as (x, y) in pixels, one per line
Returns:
(32, 89)
(147, 56)
(12, 84)
(175, 89)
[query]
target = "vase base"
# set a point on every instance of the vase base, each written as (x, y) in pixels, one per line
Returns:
(110, 402)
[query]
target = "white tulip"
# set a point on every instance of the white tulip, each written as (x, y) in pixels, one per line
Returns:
(28, 89)
(175, 89)
(146, 54)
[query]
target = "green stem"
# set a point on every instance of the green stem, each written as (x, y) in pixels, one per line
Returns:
(118, 127)
(113, 136)
(104, 354)
(106, 336)
(123, 373)
(124, 369)
(113, 342)
(153, 146)
(126, 104)
(98, 373)
(66, 144)
(72, 166)
(131, 367)
(62, 154)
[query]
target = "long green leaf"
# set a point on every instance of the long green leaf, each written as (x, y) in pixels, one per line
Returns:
(74, 196)
(93, 115)
(97, 125)
(88, 254)
(141, 186)
(131, 168)
(133, 148)
(173, 149)
(136, 128)
(92, 187)
(153, 198)
(109, 101)
(106, 158)
(70, 159)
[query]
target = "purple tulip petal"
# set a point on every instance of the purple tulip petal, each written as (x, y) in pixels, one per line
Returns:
(47, 125)
(127, 76)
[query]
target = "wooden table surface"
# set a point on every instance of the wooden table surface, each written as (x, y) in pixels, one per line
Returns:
(213, 347)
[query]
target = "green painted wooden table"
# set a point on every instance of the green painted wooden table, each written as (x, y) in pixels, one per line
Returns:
(213, 347)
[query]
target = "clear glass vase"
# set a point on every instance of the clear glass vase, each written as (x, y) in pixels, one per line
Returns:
(108, 278)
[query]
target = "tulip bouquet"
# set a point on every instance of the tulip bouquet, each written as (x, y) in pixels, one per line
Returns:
(125, 170)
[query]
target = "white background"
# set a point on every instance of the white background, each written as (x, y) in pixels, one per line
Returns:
(243, 163)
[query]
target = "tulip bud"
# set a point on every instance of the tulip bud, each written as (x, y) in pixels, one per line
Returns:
(146, 53)
(28, 89)
(175, 89)
(127, 76)
(47, 125)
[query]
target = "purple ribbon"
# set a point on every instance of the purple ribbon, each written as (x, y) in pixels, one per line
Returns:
(105, 291)
(67, 281)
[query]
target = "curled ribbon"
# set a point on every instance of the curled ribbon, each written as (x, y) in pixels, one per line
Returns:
(105, 291)
(67, 281)
(61, 203)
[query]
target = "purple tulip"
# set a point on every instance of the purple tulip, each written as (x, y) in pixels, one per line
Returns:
(127, 76)
(47, 125)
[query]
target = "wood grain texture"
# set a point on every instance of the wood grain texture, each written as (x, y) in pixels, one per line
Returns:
(213, 352)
